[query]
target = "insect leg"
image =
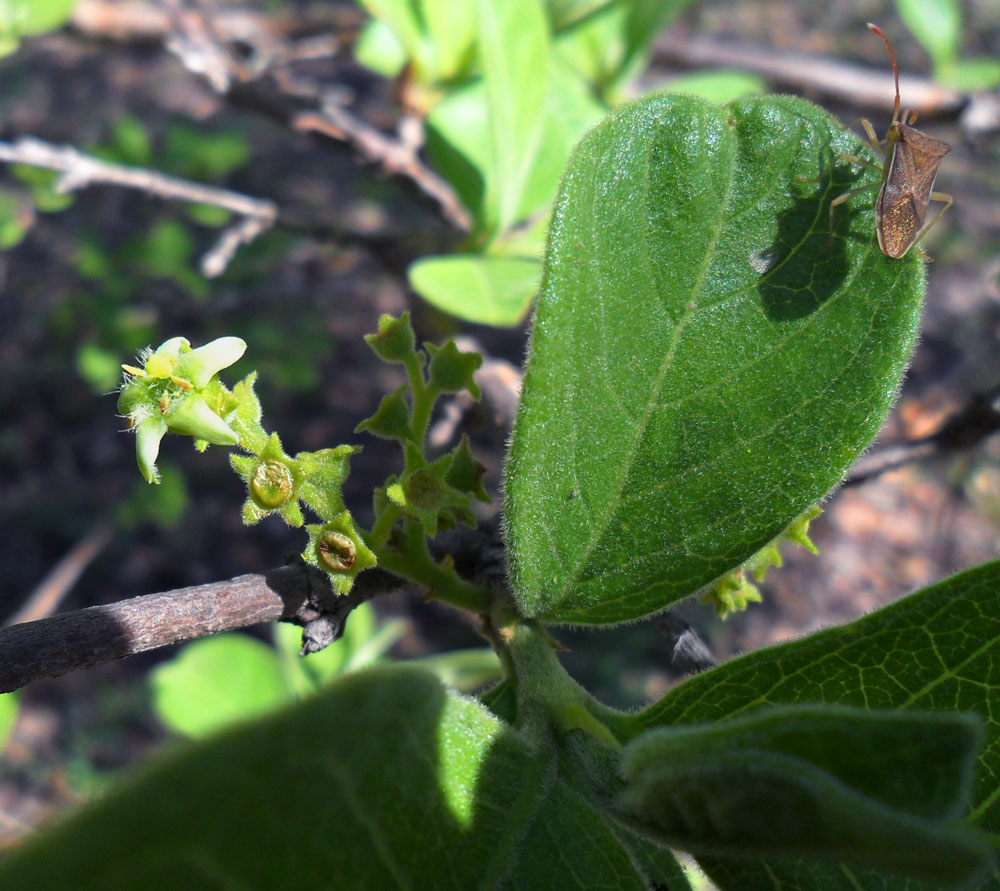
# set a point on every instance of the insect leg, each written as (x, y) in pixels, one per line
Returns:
(935, 196)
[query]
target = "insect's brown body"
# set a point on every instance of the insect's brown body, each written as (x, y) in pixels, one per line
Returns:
(911, 165)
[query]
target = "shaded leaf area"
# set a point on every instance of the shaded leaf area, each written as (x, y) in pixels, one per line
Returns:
(703, 367)
(884, 790)
(934, 650)
(387, 779)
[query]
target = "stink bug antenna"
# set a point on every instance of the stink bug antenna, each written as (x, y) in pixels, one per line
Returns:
(895, 73)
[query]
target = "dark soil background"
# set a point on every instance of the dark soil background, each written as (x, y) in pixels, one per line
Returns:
(303, 300)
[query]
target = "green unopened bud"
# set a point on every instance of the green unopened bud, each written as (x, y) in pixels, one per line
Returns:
(395, 340)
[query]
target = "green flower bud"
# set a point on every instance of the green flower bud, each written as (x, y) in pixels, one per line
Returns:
(395, 340)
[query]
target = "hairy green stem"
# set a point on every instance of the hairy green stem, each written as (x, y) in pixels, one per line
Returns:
(413, 561)
(423, 397)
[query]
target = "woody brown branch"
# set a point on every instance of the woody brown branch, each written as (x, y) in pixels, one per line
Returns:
(84, 638)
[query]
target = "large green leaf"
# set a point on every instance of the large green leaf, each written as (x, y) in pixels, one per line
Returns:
(386, 779)
(935, 650)
(702, 367)
(883, 789)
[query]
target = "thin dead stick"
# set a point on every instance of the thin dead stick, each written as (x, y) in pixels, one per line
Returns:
(70, 641)
(48, 594)
(849, 83)
(80, 170)
(398, 157)
(977, 420)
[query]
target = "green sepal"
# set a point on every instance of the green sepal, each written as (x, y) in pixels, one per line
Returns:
(245, 417)
(733, 592)
(395, 340)
(338, 549)
(466, 472)
(798, 530)
(325, 472)
(451, 370)
(392, 420)
(273, 482)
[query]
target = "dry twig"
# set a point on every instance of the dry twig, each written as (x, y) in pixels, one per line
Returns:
(849, 83)
(49, 593)
(70, 641)
(80, 170)
(394, 156)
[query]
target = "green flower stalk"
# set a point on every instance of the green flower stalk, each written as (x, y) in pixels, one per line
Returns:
(176, 391)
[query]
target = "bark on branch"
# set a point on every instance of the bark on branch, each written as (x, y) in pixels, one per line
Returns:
(81, 639)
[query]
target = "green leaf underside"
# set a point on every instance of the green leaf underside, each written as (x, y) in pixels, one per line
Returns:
(384, 780)
(486, 290)
(930, 651)
(700, 370)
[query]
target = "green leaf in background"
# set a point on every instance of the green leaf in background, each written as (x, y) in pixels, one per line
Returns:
(15, 218)
(979, 73)
(215, 681)
(937, 24)
(193, 152)
(608, 43)
(379, 49)
(514, 50)
(384, 780)
(21, 18)
(43, 188)
(437, 36)
(702, 368)
(565, 13)
(459, 142)
(8, 717)
(488, 290)
(465, 670)
(163, 504)
(99, 367)
(716, 86)
(930, 651)
(646, 19)
(880, 789)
